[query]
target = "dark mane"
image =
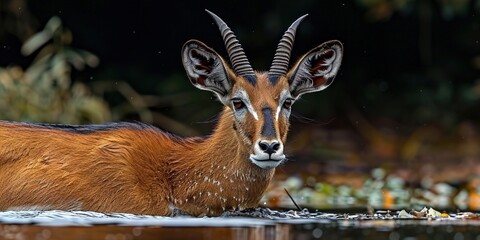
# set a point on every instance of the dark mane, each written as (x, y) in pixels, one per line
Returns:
(88, 128)
(92, 128)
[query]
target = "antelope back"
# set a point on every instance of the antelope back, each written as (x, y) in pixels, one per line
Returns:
(259, 103)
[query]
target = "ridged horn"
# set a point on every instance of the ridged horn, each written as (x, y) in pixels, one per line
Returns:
(282, 55)
(241, 65)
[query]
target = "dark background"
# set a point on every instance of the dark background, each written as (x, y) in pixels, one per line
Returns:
(407, 94)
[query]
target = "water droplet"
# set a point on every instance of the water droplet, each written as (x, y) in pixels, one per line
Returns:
(159, 52)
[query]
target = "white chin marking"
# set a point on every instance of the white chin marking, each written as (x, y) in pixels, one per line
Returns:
(266, 163)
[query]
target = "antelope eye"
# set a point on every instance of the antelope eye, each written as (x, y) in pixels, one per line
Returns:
(288, 103)
(237, 104)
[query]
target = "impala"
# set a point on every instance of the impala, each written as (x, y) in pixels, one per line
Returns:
(137, 168)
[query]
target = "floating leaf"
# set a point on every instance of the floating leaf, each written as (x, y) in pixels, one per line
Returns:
(433, 213)
(404, 214)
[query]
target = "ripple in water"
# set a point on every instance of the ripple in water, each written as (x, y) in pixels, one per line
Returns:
(248, 217)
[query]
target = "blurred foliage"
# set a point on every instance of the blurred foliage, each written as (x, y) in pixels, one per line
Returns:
(444, 89)
(380, 190)
(44, 92)
(384, 9)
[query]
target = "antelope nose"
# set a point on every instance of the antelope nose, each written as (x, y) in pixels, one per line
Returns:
(269, 148)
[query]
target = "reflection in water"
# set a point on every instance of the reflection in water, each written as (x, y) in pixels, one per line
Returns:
(260, 223)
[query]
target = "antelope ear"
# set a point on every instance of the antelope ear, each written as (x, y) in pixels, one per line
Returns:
(316, 69)
(206, 69)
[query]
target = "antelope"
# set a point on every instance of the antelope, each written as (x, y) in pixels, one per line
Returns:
(138, 168)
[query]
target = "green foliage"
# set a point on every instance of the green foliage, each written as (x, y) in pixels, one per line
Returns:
(380, 190)
(45, 92)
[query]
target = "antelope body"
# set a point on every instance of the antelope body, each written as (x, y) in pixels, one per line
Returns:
(137, 168)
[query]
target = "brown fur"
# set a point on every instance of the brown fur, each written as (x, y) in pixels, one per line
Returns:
(136, 170)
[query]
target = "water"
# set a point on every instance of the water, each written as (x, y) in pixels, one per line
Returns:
(248, 217)
(259, 223)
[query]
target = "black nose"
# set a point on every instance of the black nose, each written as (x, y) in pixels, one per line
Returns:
(269, 147)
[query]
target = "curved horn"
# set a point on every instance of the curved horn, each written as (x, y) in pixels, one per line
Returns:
(282, 55)
(241, 65)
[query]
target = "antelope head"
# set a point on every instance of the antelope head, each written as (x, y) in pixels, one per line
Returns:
(259, 103)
